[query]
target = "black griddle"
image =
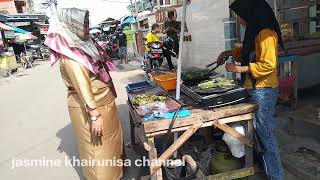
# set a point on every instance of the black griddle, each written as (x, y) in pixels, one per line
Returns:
(215, 97)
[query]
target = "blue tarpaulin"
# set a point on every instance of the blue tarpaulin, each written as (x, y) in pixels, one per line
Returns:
(129, 19)
(18, 30)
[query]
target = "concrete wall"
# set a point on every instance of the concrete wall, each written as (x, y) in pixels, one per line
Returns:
(8, 5)
(205, 25)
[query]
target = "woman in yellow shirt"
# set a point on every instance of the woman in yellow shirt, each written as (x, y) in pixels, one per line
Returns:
(258, 58)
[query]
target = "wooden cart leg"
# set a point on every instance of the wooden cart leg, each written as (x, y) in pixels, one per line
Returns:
(132, 130)
(249, 150)
(153, 157)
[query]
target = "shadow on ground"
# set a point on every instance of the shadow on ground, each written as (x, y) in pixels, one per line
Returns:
(132, 151)
(68, 146)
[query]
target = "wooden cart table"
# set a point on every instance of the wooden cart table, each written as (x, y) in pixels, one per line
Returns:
(200, 118)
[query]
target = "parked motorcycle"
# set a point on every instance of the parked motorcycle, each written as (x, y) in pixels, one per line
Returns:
(39, 52)
(155, 55)
(157, 52)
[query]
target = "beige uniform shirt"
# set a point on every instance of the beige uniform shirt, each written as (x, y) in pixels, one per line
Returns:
(85, 89)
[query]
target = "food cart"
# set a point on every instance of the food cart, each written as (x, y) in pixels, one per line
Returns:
(220, 114)
(200, 117)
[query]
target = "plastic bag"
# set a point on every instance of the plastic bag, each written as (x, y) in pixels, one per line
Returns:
(159, 108)
(235, 146)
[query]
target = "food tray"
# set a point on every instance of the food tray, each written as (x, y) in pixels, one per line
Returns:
(234, 96)
(214, 90)
(172, 105)
(139, 86)
(152, 90)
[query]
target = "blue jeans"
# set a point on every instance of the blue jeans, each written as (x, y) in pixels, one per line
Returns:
(265, 125)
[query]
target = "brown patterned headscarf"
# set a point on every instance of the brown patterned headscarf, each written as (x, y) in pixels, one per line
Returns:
(77, 21)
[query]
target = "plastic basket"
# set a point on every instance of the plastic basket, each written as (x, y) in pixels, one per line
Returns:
(167, 81)
(139, 86)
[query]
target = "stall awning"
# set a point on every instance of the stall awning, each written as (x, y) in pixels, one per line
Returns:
(18, 30)
(6, 27)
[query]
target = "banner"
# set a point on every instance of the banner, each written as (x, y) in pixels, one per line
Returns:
(130, 36)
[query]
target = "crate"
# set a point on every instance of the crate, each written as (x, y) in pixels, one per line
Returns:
(139, 86)
(167, 81)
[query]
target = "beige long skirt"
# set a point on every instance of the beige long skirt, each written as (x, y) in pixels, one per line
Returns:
(101, 152)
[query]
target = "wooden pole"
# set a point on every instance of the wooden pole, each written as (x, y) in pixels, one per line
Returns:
(158, 4)
(137, 13)
(183, 22)
(275, 8)
(153, 157)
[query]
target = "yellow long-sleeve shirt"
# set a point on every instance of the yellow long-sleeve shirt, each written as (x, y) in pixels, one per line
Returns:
(151, 37)
(264, 70)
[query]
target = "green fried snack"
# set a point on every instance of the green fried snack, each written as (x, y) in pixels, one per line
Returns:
(220, 82)
(145, 99)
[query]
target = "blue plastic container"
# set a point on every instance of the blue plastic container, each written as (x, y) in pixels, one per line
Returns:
(139, 86)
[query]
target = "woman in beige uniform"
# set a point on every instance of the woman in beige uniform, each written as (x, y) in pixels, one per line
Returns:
(91, 95)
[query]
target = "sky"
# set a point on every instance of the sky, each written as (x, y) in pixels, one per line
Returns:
(99, 9)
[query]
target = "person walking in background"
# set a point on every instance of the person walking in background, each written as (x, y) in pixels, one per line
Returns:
(172, 29)
(258, 57)
(91, 93)
(122, 41)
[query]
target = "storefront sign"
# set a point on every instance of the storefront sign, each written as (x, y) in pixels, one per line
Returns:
(130, 36)
(44, 29)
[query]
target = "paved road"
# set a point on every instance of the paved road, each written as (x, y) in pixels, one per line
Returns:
(35, 124)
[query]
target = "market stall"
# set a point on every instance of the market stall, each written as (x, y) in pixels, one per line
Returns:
(8, 62)
(7, 57)
(199, 117)
(154, 113)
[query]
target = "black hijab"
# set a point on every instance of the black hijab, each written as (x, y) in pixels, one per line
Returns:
(259, 15)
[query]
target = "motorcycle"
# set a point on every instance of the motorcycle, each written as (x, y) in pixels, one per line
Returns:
(155, 55)
(39, 52)
(157, 52)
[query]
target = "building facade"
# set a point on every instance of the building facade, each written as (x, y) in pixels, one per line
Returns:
(16, 7)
